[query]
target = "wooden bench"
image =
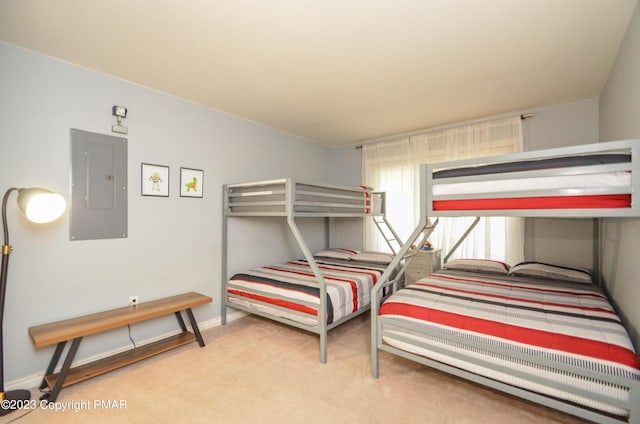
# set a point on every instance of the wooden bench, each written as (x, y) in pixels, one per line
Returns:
(75, 329)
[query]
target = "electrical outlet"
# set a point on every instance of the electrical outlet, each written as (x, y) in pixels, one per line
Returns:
(133, 300)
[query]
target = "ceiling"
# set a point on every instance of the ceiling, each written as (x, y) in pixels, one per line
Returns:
(338, 72)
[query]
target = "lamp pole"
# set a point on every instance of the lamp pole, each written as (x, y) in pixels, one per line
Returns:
(12, 395)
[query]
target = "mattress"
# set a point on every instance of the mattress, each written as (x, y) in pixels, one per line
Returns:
(290, 290)
(517, 330)
(578, 182)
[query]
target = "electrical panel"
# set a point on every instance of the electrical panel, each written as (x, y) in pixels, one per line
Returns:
(98, 186)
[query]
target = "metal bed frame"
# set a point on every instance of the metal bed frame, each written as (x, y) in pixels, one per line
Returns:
(291, 199)
(424, 229)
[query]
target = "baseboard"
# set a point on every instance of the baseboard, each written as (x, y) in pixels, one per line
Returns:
(34, 380)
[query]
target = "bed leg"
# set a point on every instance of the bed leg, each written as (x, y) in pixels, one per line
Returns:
(375, 363)
(323, 347)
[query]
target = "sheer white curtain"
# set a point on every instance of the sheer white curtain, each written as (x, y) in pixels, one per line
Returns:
(393, 167)
(389, 167)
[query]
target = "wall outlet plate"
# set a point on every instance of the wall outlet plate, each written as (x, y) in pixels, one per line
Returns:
(133, 300)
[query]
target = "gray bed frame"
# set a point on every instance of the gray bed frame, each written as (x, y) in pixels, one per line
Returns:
(291, 199)
(423, 229)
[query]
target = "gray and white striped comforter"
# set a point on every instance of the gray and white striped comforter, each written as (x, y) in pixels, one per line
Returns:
(553, 338)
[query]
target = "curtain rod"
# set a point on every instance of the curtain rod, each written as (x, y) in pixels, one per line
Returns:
(523, 116)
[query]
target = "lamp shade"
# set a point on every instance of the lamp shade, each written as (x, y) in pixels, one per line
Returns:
(40, 205)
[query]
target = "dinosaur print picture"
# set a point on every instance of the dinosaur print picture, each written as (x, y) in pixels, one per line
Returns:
(193, 185)
(191, 182)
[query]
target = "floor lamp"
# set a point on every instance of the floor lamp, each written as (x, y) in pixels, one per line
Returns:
(40, 206)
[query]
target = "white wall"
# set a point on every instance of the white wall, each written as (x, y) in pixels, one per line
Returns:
(620, 119)
(562, 125)
(174, 243)
(347, 166)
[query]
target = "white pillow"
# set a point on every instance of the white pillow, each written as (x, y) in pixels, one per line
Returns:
(552, 272)
(336, 253)
(377, 257)
(478, 265)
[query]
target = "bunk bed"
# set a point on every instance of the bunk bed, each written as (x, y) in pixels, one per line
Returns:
(540, 332)
(334, 283)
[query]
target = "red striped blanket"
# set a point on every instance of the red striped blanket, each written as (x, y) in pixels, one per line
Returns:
(562, 323)
(291, 289)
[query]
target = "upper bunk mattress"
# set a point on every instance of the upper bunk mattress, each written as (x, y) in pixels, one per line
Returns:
(567, 333)
(586, 181)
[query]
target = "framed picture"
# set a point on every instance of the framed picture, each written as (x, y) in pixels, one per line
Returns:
(155, 180)
(191, 182)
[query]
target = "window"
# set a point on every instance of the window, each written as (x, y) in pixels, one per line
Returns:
(393, 166)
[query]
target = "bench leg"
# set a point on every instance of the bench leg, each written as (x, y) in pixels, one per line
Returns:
(53, 363)
(66, 366)
(183, 327)
(194, 326)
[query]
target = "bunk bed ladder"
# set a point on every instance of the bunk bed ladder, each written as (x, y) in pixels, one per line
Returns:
(421, 232)
(389, 234)
(420, 240)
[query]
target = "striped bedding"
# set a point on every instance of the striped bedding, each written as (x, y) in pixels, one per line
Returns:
(523, 325)
(523, 184)
(290, 290)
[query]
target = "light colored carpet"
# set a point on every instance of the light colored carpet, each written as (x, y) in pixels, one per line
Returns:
(258, 371)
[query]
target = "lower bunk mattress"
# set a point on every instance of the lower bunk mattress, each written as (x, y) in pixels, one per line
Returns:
(562, 340)
(290, 290)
